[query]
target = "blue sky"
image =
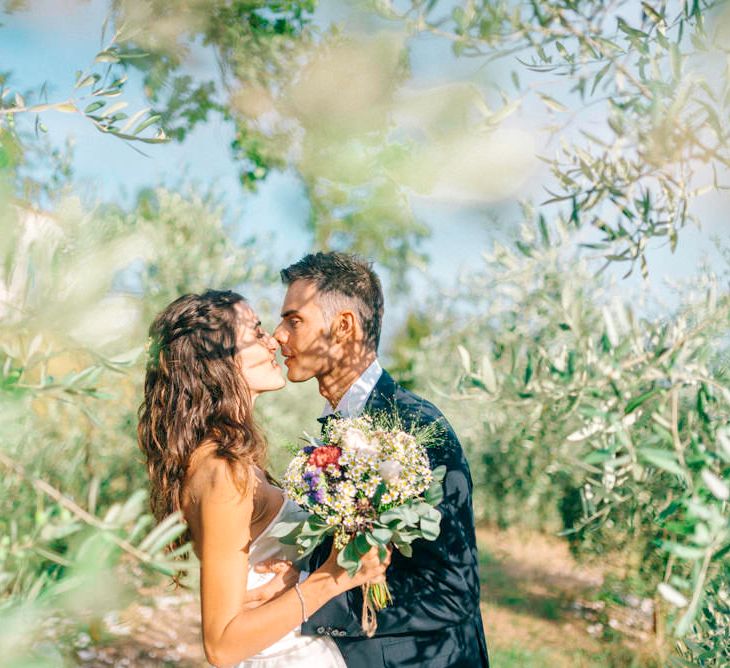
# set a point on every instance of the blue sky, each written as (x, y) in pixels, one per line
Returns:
(36, 49)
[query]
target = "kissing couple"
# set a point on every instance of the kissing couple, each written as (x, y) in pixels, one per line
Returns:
(208, 362)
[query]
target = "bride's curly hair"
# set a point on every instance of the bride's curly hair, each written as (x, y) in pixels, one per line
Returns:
(193, 393)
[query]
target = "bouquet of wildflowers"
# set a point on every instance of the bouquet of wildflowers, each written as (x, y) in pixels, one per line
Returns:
(368, 485)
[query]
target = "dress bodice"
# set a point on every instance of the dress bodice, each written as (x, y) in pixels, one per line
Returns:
(265, 546)
(293, 650)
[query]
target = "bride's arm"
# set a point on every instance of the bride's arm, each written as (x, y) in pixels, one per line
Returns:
(232, 633)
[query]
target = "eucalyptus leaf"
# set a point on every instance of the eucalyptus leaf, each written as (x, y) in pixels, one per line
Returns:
(349, 559)
(404, 548)
(434, 494)
(394, 518)
(381, 535)
(361, 544)
(281, 529)
(431, 528)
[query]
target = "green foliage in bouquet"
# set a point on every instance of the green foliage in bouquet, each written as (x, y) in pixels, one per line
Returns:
(399, 526)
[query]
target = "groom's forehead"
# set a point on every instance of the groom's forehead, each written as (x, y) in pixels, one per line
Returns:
(299, 296)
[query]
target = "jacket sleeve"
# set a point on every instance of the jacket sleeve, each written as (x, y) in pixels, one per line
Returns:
(438, 586)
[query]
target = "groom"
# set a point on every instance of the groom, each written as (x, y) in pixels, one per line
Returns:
(329, 330)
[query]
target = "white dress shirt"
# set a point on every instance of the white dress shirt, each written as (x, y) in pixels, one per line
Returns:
(354, 400)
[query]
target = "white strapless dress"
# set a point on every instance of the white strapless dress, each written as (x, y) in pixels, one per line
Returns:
(294, 650)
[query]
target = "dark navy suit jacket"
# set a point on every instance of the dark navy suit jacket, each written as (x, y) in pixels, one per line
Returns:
(434, 621)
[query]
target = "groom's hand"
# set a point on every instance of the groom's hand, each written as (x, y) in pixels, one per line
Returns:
(285, 576)
(371, 571)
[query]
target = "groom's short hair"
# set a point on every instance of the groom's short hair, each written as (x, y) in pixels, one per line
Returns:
(343, 281)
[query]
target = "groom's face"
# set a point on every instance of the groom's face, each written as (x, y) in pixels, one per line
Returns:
(303, 334)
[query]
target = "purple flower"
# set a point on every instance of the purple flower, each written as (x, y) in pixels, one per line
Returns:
(316, 496)
(312, 477)
(309, 449)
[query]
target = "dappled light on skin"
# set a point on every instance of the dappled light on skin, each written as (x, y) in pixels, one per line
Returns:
(256, 353)
(314, 348)
(207, 463)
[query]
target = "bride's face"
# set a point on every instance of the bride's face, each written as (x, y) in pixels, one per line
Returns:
(257, 353)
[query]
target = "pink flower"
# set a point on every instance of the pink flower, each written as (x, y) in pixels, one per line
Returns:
(353, 440)
(390, 471)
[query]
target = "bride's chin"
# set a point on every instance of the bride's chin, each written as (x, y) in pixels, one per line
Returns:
(274, 385)
(278, 384)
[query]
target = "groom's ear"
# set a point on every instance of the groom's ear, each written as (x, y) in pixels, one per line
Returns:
(344, 326)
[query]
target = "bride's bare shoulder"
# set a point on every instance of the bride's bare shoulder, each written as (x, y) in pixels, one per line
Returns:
(210, 476)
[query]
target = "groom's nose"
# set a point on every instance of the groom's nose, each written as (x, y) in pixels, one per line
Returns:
(280, 334)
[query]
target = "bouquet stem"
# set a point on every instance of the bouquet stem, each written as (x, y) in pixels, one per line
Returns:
(375, 597)
(380, 595)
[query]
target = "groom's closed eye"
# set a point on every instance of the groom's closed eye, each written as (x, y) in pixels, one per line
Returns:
(291, 314)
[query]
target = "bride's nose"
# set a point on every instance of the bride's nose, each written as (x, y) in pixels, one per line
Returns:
(271, 343)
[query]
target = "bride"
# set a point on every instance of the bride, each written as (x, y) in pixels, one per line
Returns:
(209, 361)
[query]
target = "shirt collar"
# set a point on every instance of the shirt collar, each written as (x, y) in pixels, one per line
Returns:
(354, 400)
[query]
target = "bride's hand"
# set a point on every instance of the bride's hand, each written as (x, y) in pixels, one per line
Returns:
(371, 571)
(285, 576)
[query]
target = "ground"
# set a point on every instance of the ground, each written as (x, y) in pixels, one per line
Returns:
(541, 609)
